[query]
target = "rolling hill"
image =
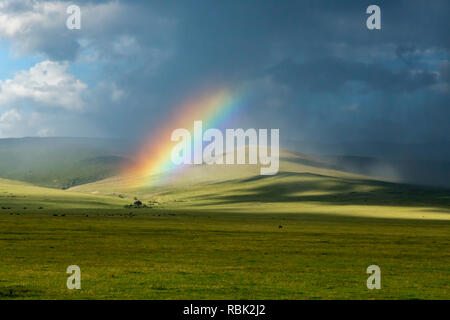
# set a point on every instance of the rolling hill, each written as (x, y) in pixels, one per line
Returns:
(60, 162)
(88, 169)
(303, 185)
(23, 196)
(425, 163)
(225, 232)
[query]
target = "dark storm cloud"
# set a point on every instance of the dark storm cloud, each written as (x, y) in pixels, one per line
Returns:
(444, 71)
(330, 74)
(406, 53)
(316, 70)
(315, 51)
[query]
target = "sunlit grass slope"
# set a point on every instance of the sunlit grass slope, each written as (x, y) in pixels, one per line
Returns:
(15, 195)
(303, 185)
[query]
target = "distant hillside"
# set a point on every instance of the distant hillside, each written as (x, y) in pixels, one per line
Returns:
(415, 163)
(419, 172)
(60, 162)
(304, 184)
(17, 195)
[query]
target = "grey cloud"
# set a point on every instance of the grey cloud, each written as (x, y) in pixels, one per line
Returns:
(39, 27)
(330, 74)
(157, 52)
(444, 71)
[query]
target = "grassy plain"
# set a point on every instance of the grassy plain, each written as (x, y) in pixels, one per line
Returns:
(309, 232)
(160, 254)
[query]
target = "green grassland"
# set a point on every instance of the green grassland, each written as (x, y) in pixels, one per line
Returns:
(211, 232)
(159, 254)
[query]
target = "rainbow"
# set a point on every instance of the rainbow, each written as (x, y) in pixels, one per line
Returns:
(215, 109)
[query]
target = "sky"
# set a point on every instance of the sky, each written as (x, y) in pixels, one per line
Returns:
(315, 70)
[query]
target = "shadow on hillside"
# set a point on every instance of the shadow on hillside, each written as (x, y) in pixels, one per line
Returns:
(310, 163)
(329, 190)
